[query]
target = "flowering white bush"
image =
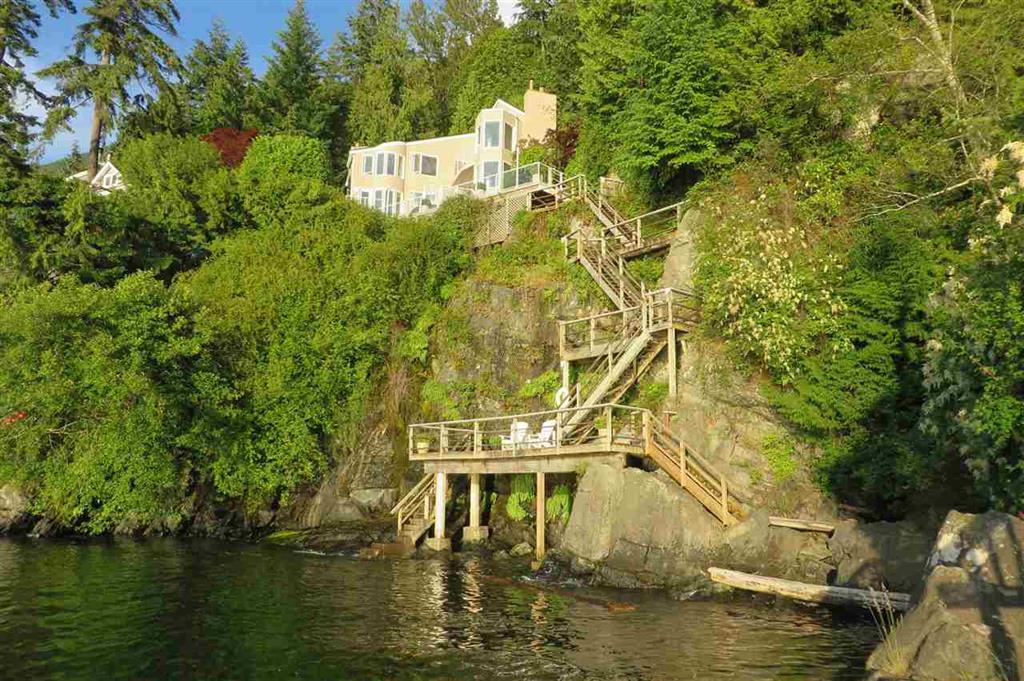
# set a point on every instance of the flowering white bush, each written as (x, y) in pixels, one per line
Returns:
(768, 278)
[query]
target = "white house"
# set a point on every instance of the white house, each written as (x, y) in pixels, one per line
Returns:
(108, 178)
(403, 178)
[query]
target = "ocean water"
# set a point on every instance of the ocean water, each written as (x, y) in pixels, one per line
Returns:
(191, 609)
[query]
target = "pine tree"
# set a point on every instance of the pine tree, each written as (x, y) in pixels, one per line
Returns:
(352, 54)
(217, 80)
(124, 36)
(294, 74)
(19, 26)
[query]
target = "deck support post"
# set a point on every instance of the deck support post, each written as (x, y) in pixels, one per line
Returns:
(564, 365)
(540, 516)
(673, 363)
(474, 532)
(439, 542)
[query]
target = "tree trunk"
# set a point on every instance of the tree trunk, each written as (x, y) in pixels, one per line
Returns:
(96, 132)
(942, 50)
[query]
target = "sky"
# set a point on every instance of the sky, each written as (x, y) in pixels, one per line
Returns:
(256, 22)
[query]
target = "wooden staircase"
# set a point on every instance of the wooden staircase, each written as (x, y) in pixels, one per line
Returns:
(641, 339)
(415, 516)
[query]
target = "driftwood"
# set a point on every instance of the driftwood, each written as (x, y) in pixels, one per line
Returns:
(797, 524)
(836, 595)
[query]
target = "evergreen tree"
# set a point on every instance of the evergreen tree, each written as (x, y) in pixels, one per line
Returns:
(218, 78)
(124, 36)
(380, 70)
(19, 26)
(352, 54)
(289, 97)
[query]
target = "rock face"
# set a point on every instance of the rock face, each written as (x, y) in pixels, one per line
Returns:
(358, 487)
(630, 528)
(14, 514)
(679, 262)
(879, 555)
(968, 622)
(635, 528)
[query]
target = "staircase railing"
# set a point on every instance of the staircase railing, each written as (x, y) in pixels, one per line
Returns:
(420, 499)
(691, 470)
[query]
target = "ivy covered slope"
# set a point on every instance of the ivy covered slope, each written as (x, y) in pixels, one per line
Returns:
(863, 257)
(235, 378)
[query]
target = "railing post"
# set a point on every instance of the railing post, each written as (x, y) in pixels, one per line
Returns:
(725, 497)
(561, 338)
(444, 440)
(411, 429)
(639, 234)
(593, 332)
(622, 285)
(476, 439)
(647, 431)
(608, 424)
(682, 461)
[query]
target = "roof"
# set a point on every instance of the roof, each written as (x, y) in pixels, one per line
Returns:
(502, 104)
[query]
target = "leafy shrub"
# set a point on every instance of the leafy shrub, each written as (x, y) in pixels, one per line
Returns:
(780, 453)
(559, 504)
(522, 496)
(133, 404)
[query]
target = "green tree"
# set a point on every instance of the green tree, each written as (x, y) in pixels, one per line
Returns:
(179, 200)
(294, 73)
(19, 26)
(113, 431)
(125, 37)
(218, 79)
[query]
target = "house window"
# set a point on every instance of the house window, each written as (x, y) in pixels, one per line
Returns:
(428, 165)
(490, 177)
(368, 164)
(508, 137)
(364, 196)
(380, 163)
(492, 133)
(378, 199)
(391, 164)
(400, 173)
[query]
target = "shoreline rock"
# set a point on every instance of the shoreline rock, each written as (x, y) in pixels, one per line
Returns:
(968, 621)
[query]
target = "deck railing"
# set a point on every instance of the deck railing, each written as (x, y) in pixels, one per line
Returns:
(512, 179)
(539, 433)
(661, 308)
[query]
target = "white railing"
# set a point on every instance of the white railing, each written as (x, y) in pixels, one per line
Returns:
(540, 433)
(530, 175)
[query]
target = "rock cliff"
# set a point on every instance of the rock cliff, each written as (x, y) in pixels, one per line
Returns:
(968, 620)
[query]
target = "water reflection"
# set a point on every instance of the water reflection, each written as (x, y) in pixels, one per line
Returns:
(198, 610)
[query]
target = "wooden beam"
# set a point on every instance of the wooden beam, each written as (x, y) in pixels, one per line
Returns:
(540, 516)
(836, 595)
(474, 500)
(804, 525)
(440, 492)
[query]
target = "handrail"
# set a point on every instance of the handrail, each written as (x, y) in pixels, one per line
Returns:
(524, 415)
(413, 494)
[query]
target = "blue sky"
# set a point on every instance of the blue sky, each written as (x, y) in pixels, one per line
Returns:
(254, 21)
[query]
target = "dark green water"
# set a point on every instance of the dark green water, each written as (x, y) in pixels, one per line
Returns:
(167, 609)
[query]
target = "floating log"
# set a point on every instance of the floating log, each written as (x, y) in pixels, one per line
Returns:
(836, 595)
(804, 525)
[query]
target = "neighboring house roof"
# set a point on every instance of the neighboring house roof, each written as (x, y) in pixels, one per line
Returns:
(502, 104)
(108, 178)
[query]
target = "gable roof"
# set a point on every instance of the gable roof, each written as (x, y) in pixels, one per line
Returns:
(502, 104)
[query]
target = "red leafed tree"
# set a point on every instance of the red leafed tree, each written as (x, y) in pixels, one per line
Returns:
(230, 143)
